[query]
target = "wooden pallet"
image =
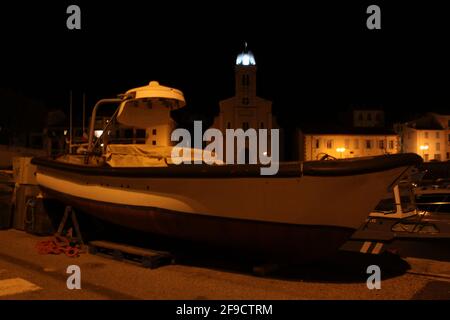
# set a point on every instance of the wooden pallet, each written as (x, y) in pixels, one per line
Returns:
(147, 258)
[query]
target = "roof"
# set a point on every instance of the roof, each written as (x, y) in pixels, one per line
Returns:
(149, 106)
(366, 107)
(428, 122)
(345, 130)
(441, 114)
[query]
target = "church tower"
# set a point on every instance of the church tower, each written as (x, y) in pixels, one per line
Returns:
(245, 109)
(245, 77)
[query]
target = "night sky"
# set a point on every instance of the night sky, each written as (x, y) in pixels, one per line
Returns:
(313, 59)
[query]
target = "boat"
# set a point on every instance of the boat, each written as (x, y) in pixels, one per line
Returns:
(404, 224)
(432, 191)
(434, 197)
(305, 212)
(414, 194)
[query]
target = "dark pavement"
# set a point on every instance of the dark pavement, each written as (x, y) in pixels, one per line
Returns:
(24, 274)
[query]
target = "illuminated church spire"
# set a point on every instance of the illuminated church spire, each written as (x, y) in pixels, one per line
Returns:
(245, 58)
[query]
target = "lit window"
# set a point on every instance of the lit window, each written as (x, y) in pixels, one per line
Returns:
(98, 133)
(329, 144)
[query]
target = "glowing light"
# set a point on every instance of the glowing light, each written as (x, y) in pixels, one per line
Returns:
(340, 149)
(65, 132)
(424, 147)
(245, 59)
(265, 153)
(98, 133)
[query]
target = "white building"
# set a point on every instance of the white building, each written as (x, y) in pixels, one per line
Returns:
(364, 135)
(346, 144)
(428, 136)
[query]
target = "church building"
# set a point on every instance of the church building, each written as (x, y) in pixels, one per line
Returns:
(245, 109)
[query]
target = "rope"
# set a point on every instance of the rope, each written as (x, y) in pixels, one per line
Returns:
(60, 244)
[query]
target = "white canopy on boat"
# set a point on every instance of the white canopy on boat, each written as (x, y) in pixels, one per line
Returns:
(144, 155)
(150, 105)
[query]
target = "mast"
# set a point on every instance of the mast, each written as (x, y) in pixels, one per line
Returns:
(70, 124)
(84, 112)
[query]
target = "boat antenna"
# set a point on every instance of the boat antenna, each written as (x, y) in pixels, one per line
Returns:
(70, 123)
(84, 112)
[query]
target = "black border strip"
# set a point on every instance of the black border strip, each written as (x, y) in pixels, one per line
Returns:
(345, 167)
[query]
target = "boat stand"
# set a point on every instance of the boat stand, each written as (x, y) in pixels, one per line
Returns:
(147, 258)
(69, 210)
(263, 270)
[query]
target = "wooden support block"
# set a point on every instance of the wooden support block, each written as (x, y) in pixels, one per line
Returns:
(145, 257)
(265, 269)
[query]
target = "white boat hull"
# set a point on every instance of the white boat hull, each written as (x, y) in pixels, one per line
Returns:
(328, 201)
(310, 216)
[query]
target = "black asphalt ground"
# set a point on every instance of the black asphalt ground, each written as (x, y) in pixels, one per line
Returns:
(24, 274)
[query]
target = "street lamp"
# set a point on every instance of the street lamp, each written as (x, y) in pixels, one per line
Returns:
(423, 148)
(341, 150)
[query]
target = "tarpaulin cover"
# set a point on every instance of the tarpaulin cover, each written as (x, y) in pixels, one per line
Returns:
(144, 155)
